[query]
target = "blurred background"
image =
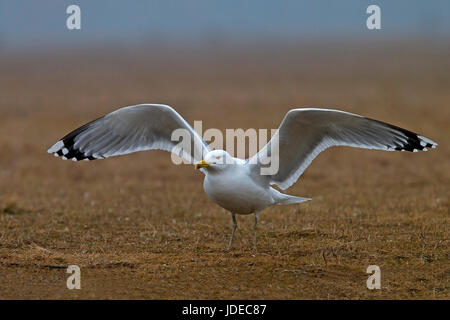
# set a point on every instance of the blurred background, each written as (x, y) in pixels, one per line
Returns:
(233, 64)
(220, 55)
(42, 24)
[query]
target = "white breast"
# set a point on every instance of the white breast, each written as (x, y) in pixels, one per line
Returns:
(234, 190)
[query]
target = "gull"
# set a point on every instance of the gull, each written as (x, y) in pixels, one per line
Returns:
(237, 185)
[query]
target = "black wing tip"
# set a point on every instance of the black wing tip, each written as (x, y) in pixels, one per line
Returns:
(414, 142)
(65, 149)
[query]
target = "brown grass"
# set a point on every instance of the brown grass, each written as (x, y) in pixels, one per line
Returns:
(140, 227)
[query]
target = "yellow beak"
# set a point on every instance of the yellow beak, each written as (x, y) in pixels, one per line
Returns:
(201, 164)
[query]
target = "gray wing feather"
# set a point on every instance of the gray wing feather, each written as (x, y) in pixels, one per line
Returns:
(304, 133)
(130, 129)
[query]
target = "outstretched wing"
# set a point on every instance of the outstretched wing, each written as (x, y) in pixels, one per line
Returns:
(304, 133)
(131, 129)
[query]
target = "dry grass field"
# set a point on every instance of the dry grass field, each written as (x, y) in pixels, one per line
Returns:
(140, 227)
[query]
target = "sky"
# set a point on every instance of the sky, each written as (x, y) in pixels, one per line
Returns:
(26, 23)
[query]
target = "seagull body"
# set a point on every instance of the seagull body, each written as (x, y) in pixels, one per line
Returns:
(233, 188)
(235, 184)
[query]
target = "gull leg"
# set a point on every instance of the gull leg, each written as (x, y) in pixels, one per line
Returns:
(254, 230)
(233, 216)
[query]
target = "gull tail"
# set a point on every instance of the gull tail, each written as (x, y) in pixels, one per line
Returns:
(281, 198)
